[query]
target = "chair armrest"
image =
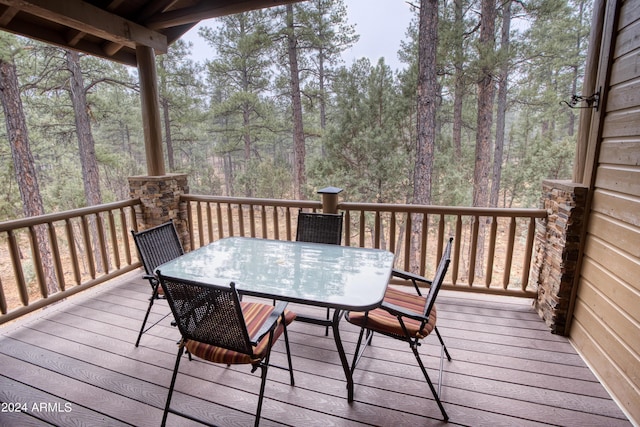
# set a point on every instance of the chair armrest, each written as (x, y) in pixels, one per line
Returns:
(270, 323)
(396, 310)
(151, 278)
(410, 276)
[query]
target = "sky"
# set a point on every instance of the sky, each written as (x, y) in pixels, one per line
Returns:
(381, 24)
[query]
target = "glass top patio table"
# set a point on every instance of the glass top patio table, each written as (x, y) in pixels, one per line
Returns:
(342, 277)
(339, 277)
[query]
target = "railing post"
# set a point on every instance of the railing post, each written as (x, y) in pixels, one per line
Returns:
(330, 199)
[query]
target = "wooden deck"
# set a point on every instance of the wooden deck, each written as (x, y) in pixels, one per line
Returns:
(75, 364)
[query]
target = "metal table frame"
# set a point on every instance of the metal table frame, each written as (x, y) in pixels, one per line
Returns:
(338, 277)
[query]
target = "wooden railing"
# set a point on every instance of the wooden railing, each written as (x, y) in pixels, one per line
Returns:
(47, 258)
(492, 247)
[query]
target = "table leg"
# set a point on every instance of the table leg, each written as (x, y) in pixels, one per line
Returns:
(337, 315)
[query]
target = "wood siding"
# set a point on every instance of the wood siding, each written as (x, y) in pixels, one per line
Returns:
(606, 324)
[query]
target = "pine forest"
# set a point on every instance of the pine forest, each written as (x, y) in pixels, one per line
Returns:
(476, 117)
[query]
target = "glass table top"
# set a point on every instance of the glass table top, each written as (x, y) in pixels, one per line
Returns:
(310, 273)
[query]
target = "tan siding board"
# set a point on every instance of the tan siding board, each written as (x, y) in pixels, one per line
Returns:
(622, 123)
(629, 13)
(624, 95)
(616, 290)
(623, 208)
(626, 67)
(620, 234)
(621, 152)
(628, 39)
(617, 321)
(620, 179)
(624, 391)
(625, 266)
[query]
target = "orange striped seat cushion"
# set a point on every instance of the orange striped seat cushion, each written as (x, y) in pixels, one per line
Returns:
(255, 314)
(382, 321)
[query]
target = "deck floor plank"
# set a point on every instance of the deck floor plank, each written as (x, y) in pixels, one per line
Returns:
(507, 370)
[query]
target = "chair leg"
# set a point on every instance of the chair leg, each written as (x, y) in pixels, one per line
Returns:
(426, 376)
(154, 296)
(286, 343)
(358, 353)
(442, 343)
(173, 383)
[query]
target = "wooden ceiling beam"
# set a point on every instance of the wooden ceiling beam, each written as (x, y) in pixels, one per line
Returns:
(208, 9)
(87, 18)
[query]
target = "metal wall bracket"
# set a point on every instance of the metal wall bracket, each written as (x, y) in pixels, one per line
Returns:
(592, 101)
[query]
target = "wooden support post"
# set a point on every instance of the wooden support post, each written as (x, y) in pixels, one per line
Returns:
(150, 110)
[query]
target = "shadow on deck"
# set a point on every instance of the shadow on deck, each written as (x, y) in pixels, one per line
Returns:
(75, 364)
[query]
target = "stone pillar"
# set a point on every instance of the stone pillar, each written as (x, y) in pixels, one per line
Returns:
(556, 251)
(160, 197)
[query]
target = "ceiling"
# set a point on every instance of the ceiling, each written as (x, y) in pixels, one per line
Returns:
(113, 28)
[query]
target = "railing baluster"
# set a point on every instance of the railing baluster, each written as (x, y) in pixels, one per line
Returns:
(209, 222)
(424, 237)
(527, 255)
(407, 243)
(440, 238)
(276, 227)
(219, 219)
(87, 246)
(263, 217)
(200, 223)
(73, 251)
(347, 228)
(37, 261)
(230, 219)
(475, 228)
(104, 256)
(55, 253)
(125, 233)
(287, 213)
(376, 231)
(509, 253)
(241, 231)
(362, 228)
(14, 250)
(392, 232)
(252, 220)
(3, 300)
(492, 251)
(114, 239)
(458, 246)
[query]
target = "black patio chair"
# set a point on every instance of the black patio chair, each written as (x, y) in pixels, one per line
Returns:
(319, 228)
(406, 317)
(156, 246)
(216, 326)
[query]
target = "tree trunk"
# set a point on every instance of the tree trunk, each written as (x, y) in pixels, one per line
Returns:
(426, 123)
(86, 147)
(24, 165)
(458, 92)
(299, 154)
(486, 91)
(164, 102)
(502, 107)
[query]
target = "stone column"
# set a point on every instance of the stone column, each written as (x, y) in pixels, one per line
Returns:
(160, 197)
(556, 251)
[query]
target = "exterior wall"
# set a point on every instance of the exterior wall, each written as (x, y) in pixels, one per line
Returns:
(557, 248)
(606, 315)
